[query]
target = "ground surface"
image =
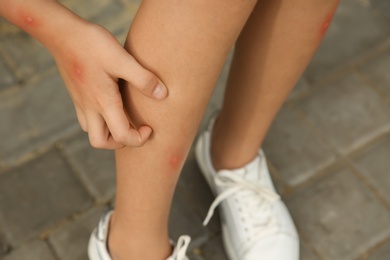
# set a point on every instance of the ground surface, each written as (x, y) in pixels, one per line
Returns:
(328, 149)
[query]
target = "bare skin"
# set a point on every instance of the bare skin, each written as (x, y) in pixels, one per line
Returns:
(90, 61)
(186, 45)
(273, 50)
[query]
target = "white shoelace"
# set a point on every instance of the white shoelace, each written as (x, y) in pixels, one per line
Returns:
(179, 253)
(253, 201)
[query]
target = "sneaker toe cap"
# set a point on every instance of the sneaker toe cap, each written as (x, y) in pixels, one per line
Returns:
(278, 247)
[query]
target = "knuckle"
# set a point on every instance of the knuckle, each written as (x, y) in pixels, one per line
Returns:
(97, 143)
(121, 138)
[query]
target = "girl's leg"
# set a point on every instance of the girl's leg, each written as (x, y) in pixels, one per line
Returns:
(185, 43)
(271, 53)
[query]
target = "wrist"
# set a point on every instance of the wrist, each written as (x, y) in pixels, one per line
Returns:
(47, 21)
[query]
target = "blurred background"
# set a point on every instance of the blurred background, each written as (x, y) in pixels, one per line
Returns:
(328, 149)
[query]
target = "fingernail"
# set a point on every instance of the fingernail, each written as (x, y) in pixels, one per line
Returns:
(159, 92)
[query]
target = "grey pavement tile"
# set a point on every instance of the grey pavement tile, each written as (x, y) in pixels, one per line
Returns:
(219, 90)
(37, 195)
(96, 167)
(6, 78)
(33, 117)
(71, 242)
(26, 55)
(114, 18)
(294, 149)
(348, 112)
(87, 8)
(197, 191)
(383, 6)
(7, 29)
(306, 253)
(375, 165)
(382, 253)
(356, 28)
(183, 220)
(214, 250)
(378, 70)
(301, 88)
(339, 216)
(35, 250)
(3, 245)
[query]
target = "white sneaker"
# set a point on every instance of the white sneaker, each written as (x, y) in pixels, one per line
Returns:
(97, 248)
(256, 224)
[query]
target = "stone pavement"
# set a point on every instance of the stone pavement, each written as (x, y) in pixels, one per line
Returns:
(328, 149)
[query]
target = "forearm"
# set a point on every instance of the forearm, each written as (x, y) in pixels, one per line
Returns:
(47, 21)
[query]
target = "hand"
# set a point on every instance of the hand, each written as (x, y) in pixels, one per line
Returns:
(91, 61)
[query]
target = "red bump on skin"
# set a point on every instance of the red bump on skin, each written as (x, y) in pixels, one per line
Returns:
(175, 162)
(326, 22)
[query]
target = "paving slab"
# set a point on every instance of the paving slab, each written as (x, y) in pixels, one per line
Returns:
(6, 78)
(71, 241)
(183, 220)
(305, 253)
(375, 165)
(4, 248)
(36, 116)
(355, 29)
(214, 250)
(382, 6)
(37, 195)
(300, 89)
(378, 71)
(382, 253)
(336, 215)
(197, 192)
(95, 167)
(115, 17)
(26, 56)
(87, 8)
(35, 250)
(294, 149)
(348, 112)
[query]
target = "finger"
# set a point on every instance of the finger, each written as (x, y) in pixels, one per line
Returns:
(121, 129)
(146, 82)
(98, 133)
(81, 118)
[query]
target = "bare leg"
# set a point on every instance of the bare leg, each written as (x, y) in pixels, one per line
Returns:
(185, 43)
(271, 53)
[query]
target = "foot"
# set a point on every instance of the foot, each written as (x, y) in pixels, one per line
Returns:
(255, 222)
(97, 248)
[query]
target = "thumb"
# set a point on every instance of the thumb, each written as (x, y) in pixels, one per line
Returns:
(140, 78)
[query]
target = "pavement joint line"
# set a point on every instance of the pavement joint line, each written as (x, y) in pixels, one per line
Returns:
(367, 146)
(274, 172)
(27, 157)
(44, 234)
(372, 249)
(76, 172)
(345, 69)
(307, 242)
(373, 84)
(52, 249)
(354, 169)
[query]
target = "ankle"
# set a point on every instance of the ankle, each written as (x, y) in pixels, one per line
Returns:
(228, 153)
(123, 246)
